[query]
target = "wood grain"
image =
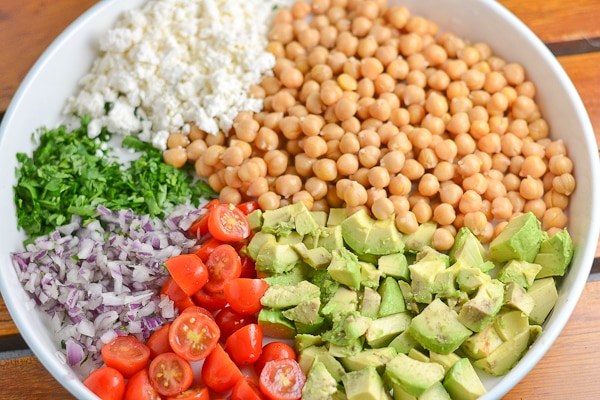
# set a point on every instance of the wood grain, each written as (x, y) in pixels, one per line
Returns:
(26, 378)
(7, 326)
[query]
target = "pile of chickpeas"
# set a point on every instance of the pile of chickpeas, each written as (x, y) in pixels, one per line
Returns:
(371, 107)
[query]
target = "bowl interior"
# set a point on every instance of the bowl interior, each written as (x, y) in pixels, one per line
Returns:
(41, 98)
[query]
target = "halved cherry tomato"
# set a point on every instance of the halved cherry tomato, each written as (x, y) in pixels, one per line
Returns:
(248, 267)
(210, 301)
(193, 335)
(189, 271)
(248, 207)
(126, 354)
(207, 247)
(158, 342)
(282, 380)
(228, 223)
(247, 389)
(245, 345)
(106, 383)
(170, 374)
(230, 321)
(244, 294)
(198, 393)
(274, 351)
(200, 227)
(199, 309)
(174, 292)
(219, 372)
(223, 265)
(140, 388)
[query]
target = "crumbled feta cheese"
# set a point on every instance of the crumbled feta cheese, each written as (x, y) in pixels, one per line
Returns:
(173, 62)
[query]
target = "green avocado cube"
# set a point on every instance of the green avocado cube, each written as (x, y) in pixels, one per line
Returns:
(414, 377)
(520, 239)
(478, 312)
(392, 301)
(417, 241)
(394, 265)
(286, 296)
(377, 358)
(309, 355)
(516, 297)
(319, 383)
(544, 294)
(468, 249)
(364, 384)
(383, 330)
(275, 325)
(555, 255)
(423, 273)
(482, 344)
(370, 303)
(343, 301)
(462, 382)
(505, 356)
(344, 268)
(369, 274)
(521, 272)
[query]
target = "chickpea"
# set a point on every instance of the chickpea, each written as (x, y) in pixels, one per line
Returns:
(177, 157)
(406, 222)
(470, 202)
(476, 222)
(195, 149)
(325, 169)
(382, 208)
(564, 184)
(369, 156)
(442, 239)
(355, 194)
(554, 217)
(422, 211)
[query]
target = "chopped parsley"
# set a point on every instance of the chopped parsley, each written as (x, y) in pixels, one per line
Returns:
(71, 174)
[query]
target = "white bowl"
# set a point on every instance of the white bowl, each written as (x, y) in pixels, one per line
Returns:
(41, 98)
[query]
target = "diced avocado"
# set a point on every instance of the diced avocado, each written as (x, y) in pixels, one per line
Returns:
(307, 357)
(482, 344)
(435, 392)
(328, 286)
(544, 294)
(347, 328)
(368, 258)
(291, 239)
(383, 330)
(469, 279)
(306, 312)
(275, 325)
(445, 282)
(370, 303)
(365, 384)
(369, 274)
(394, 265)
(555, 255)
(392, 301)
(370, 357)
(515, 296)
(403, 343)
(314, 328)
(438, 329)
(355, 230)
(520, 239)
(521, 272)
(320, 385)
(317, 258)
(304, 221)
(417, 241)
(534, 332)
(508, 323)
(257, 242)
(255, 219)
(343, 301)
(347, 350)
(276, 258)
(501, 360)
(320, 217)
(384, 238)
(344, 268)
(409, 297)
(423, 273)
(462, 382)
(445, 360)
(468, 249)
(398, 392)
(413, 376)
(418, 355)
(304, 340)
(278, 222)
(286, 296)
(329, 238)
(479, 312)
(293, 277)
(336, 216)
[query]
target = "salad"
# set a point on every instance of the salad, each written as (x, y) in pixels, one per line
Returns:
(354, 111)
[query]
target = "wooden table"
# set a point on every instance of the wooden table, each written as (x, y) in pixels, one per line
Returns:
(570, 28)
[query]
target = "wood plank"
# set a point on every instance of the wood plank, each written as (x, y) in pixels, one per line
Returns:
(583, 71)
(45, 21)
(26, 378)
(7, 326)
(571, 364)
(561, 20)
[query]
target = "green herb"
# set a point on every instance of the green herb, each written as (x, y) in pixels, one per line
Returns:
(71, 174)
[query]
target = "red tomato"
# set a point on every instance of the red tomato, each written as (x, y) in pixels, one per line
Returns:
(274, 351)
(230, 321)
(140, 388)
(248, 207)
(174, 292)
(126, 354)
(199, 309)
(244, 294)
(170, 374)
(247, 389)
(245, 345)
(193, 334)
(219, 372)
(207, 247)
(282, 380)
(228, 223)
(198, 393)
(223, 265)
(106, 383)
(200, 227)
(189, 271)
(158, 342)
(248, 267)
(210, 301)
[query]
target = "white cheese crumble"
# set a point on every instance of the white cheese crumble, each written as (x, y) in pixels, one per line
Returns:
(173, 62)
